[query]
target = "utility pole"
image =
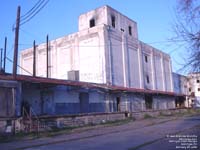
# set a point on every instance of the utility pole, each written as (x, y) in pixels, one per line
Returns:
(1, 59)
(16, 43)
(47, 56)
(4, 61)
(34, 58)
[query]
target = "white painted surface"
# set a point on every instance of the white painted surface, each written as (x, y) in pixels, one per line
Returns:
(103, 54)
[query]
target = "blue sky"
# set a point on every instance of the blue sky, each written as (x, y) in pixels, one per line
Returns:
(60, 17)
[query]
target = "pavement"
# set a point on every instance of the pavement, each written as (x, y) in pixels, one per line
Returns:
(153, 133)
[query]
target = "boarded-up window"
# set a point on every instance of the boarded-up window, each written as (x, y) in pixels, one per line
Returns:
(6, 102)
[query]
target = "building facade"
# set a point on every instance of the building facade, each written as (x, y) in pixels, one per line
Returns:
(193, 84)
(105, 50)
(189, 87)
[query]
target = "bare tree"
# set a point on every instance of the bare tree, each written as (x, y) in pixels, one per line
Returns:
(187, 29)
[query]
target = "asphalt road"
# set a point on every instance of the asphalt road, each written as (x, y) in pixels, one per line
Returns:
(153, 134)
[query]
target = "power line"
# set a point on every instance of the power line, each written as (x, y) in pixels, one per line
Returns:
(34, 14)
(9, 51)
(32, 10)
(167, 41)
(172, 51)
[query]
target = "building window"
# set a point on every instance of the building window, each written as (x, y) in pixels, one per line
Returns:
(189, 89)
(92, 23)
(198, 81)
(113, 21)
(146, 58)
(148, 101)
(198, 89)
(130, 30)
(147, 77)
(118, 104)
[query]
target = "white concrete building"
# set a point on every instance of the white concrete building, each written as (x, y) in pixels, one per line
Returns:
(193, 84)
(105, 50)
(189, 87)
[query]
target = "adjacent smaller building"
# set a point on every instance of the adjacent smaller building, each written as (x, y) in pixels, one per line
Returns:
(189, 87)
(193, 84)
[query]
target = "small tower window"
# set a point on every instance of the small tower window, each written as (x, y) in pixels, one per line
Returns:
(197, 81)
(113, 21)
(147, 77)
(146, 58)
(130, 30)
(92, 23)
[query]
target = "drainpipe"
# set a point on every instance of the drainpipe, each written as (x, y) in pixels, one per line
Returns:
(1, 59)
(5, 46)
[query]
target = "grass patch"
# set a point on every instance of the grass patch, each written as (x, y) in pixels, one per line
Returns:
(166, 114)
(147, 116)
(118, 122)
(189, 112)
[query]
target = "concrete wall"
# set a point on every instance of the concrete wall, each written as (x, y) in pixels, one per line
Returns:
(99, 15)
(163, 102)
(51, 100)
(103, 15)
(81, 51)
(156, 69)
(137, 103)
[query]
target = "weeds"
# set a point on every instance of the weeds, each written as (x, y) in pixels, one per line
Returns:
(147, 116)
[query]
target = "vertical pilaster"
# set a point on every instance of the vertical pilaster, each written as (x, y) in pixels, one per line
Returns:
(140, 65)
(163, 72)
(153, 69)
